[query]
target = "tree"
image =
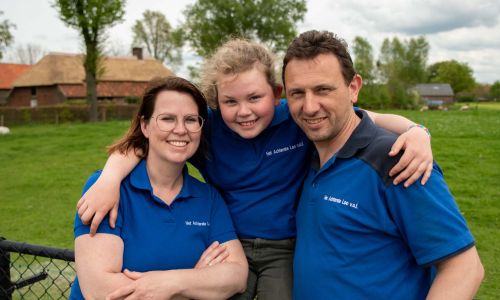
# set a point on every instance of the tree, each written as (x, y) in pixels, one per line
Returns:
(402, 64)
(495, 90)
(457, 74)
(404, 61)
(417, 52)
(391, 59)
(156, 34)
(363, 59)
(28, 53)
(91, 18)
(209, 23)
(6, 37)
(372, 95)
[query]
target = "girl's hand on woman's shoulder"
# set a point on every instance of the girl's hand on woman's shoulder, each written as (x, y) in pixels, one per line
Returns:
(416, 160)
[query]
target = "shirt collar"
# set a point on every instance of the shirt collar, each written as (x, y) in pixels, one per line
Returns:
(139, 178)
(281, 113)
(360, 138)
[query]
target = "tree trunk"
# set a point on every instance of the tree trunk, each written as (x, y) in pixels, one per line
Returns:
(91, 95)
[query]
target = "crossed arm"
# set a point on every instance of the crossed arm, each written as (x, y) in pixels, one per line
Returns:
(99, 263)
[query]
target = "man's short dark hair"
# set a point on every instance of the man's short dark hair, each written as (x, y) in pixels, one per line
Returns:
(312, 43)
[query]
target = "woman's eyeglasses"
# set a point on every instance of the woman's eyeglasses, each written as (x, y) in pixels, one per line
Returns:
(167, 122)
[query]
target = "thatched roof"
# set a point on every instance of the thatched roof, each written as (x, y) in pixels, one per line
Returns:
(61, 68)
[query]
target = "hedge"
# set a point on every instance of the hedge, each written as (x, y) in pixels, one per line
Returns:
(12, 116)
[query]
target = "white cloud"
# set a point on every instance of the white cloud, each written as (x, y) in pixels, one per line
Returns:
(477, 38)
(427, 17)
(468, 31)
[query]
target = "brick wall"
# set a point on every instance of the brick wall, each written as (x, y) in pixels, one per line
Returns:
(45, 95)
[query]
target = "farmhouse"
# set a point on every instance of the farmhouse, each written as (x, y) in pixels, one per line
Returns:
(436, 94)
(8, 74)
(59, 77)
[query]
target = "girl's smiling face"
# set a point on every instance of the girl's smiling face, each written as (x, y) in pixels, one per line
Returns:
(247, 101)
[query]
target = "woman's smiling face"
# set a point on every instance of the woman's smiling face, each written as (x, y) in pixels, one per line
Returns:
(178, 144)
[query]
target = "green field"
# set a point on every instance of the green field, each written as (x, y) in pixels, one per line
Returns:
(488, 105)
(43, 169)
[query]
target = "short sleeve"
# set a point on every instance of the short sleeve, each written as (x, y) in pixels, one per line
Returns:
(221, 225)
(81, 229)
(429, 219)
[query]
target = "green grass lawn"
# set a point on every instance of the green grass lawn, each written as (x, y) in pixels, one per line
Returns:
(488, 105)
(43, 169)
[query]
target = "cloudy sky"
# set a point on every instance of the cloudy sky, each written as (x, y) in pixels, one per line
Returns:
(467, 31)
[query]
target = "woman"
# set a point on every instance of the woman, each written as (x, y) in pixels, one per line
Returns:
(166, 218)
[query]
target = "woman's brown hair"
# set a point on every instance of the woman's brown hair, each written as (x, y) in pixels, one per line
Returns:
(135, 140)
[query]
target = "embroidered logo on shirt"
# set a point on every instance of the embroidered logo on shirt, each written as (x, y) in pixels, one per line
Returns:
(341, 201)
(196, 223)
(285, 149)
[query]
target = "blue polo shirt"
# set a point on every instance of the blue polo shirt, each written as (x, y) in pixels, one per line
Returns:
(158, 236)
(361, 237)
(260, 178)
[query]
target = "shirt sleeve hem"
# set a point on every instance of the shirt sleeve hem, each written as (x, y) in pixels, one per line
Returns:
(81, 230)
(224, 237)
(441, 253)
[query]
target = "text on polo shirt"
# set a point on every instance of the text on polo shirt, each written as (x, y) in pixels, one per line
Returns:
(285, 149)
(196, 223)
(341, 201)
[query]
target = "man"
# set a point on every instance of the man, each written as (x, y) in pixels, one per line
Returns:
(359, 236)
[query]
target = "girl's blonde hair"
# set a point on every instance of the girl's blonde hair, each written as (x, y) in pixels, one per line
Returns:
(234, 57)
